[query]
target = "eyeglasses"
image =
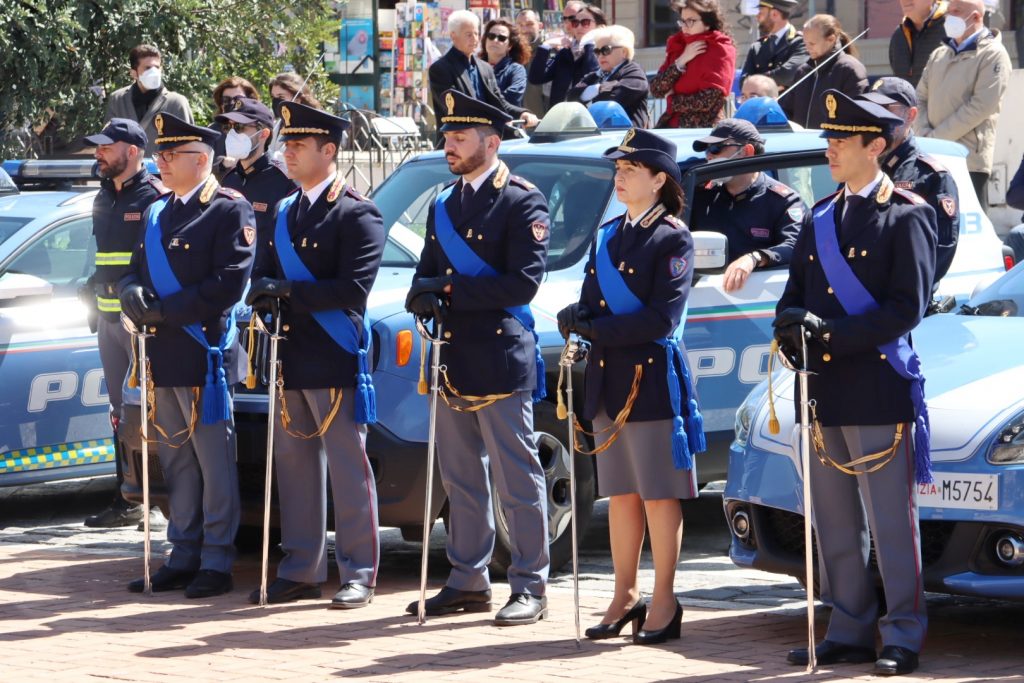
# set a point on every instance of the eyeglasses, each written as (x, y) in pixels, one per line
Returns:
(168, 157)
(567, 18)
(687, 23)
(581, 22)
(498, 37)
(226, 102)
(606, 50)
(720, 147)
(240, 127)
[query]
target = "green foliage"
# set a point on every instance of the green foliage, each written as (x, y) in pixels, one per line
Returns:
(54, 54)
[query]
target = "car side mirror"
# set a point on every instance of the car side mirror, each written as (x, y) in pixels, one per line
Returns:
(710, 251)
(21, 285)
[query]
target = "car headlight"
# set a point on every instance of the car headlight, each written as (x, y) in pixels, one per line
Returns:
(745, 413)
(1008, 448)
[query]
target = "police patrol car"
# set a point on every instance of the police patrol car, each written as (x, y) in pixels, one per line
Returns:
(972, 515)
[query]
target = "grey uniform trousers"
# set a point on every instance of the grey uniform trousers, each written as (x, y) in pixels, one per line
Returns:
(115, 345)
(889, 499)
(471, 447)
(301, 467)
(202, 484)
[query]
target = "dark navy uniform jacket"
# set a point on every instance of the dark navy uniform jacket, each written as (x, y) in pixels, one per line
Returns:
(925, 176)
(341, 241)
(264, 185)
(655, 257)
(506, 224)
(891, 249)
(209, 244)
(766, 217)
(778, 59)
(116, 225)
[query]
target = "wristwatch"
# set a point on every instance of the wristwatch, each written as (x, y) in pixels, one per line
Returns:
(759, 258)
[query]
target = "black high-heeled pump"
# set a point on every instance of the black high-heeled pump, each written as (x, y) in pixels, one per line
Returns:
(671, 630)
(636, 614)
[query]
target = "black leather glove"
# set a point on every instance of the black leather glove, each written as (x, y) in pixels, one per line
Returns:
(134, 300)
(791, 343)
(269, 287)
(264, 305)
(585, 328)
(569, 317)
(426, 285)
(427, 307)
(818, 328)
(154, 313)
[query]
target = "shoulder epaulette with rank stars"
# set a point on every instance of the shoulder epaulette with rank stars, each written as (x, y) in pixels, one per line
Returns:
(779, 188)
(336, 188)
(910, 197)
(519, 181)
(674, 221)
(230, 192)
(932, 163)
(355, 194)
(826, 199)
(209, 190)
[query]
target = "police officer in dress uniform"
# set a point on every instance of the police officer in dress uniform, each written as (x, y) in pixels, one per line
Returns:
(911, 169)
(126, 190)
(188, 272)
(780, 50)
(484, 257)
(327, 246)
(761, 216)
(859, 282)
(249, 124)
(638, 394)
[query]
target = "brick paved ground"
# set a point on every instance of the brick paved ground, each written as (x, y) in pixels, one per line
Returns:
(65, 616)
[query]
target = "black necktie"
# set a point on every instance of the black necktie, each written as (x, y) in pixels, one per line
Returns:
(846, 225)
(467, 196)
(175, 208)
(303, 209)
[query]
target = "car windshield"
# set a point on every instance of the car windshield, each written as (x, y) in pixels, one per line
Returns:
(10, 225)
(407, 196)
(1004, 297)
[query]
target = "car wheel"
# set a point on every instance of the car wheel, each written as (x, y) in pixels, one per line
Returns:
(553, 451)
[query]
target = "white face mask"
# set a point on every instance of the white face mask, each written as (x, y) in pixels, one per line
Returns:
(955, 26)
(238, 145)
(722, 180)
(152, 79)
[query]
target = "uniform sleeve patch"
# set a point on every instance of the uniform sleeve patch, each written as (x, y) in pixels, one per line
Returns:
(249, 233)
(132, 217)
(539, 230)
(948, 205)
(760, 233)
(259, 206)
(780, 188)
(796, 213)
(677, 266)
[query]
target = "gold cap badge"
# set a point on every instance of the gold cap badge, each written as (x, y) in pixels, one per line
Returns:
(630, 134)
(449, 101)
(286, 114)
(159, 123)
(831, 105)
(238, 104)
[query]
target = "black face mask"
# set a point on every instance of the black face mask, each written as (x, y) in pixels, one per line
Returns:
(276, 102)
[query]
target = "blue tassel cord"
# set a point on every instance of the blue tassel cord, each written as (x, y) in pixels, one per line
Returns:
(366, 396)
(541, 390)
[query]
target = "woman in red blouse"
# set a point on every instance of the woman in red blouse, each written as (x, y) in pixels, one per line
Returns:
(699, 67)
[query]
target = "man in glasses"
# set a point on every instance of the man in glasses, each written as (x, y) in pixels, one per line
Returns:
(188, 271)
(780, 51)
(562, 61)
(761, 216)
(248, 126)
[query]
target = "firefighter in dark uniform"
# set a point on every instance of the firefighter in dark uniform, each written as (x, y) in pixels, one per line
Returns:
(326, 248)
(647, 426)
(911, 169)
(761, 216)
(126, 190)
(249, 125)
(187, 276)
(859, 282)
(483, 260)
(780, 50)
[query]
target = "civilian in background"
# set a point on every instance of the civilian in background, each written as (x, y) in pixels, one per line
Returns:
(141, 100)
(530, 27)
(572, 59)
(508, 52)
(618, 78)
(917, 36)
(961, 90)
(758, 85)
(224, 96)
(286, 87)
(699, 68)
(824, 37)
(780, 51)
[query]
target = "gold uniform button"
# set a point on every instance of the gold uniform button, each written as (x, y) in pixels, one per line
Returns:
(864, 253)
(432, 237)
(186, 245)
(448, 335)
(827, 357)
(152, 330)
(602, 303)
(271, 242)
(811, 257)
(601, 362)
(650, 361)
(591, 271)
(830, 290)
(882, 356)
(448, 271)
(631, 271)
(479, 237)
(498, 331)
(285, 328)
(314, 245)
(204, 328)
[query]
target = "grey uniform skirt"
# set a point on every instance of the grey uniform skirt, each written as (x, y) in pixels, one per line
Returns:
(640, 461)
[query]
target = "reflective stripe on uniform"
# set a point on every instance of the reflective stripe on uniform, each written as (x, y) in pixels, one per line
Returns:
(113, 258)
(106, 305)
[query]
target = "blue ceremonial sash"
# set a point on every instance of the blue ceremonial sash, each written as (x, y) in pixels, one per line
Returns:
(216, 399)
(468, 262)
(335, 322)
(687, 434)
(857, 300)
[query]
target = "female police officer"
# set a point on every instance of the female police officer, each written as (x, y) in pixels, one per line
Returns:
(638, 393)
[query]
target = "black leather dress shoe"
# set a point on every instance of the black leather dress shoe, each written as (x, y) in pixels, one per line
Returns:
(284, 590)
(830, 652)
(165, 579)
(117, 515)
(522, 608)
(352, 596)
(451, 600)
(208, 583)
(895, 661)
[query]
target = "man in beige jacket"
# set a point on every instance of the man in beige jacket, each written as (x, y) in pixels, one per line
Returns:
(961, 90)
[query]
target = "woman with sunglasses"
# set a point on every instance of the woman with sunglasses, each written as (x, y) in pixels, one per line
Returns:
(574, 59)
(699, 68)
(618, 78)
(638, 395)
(507, 51)
(224, 96)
